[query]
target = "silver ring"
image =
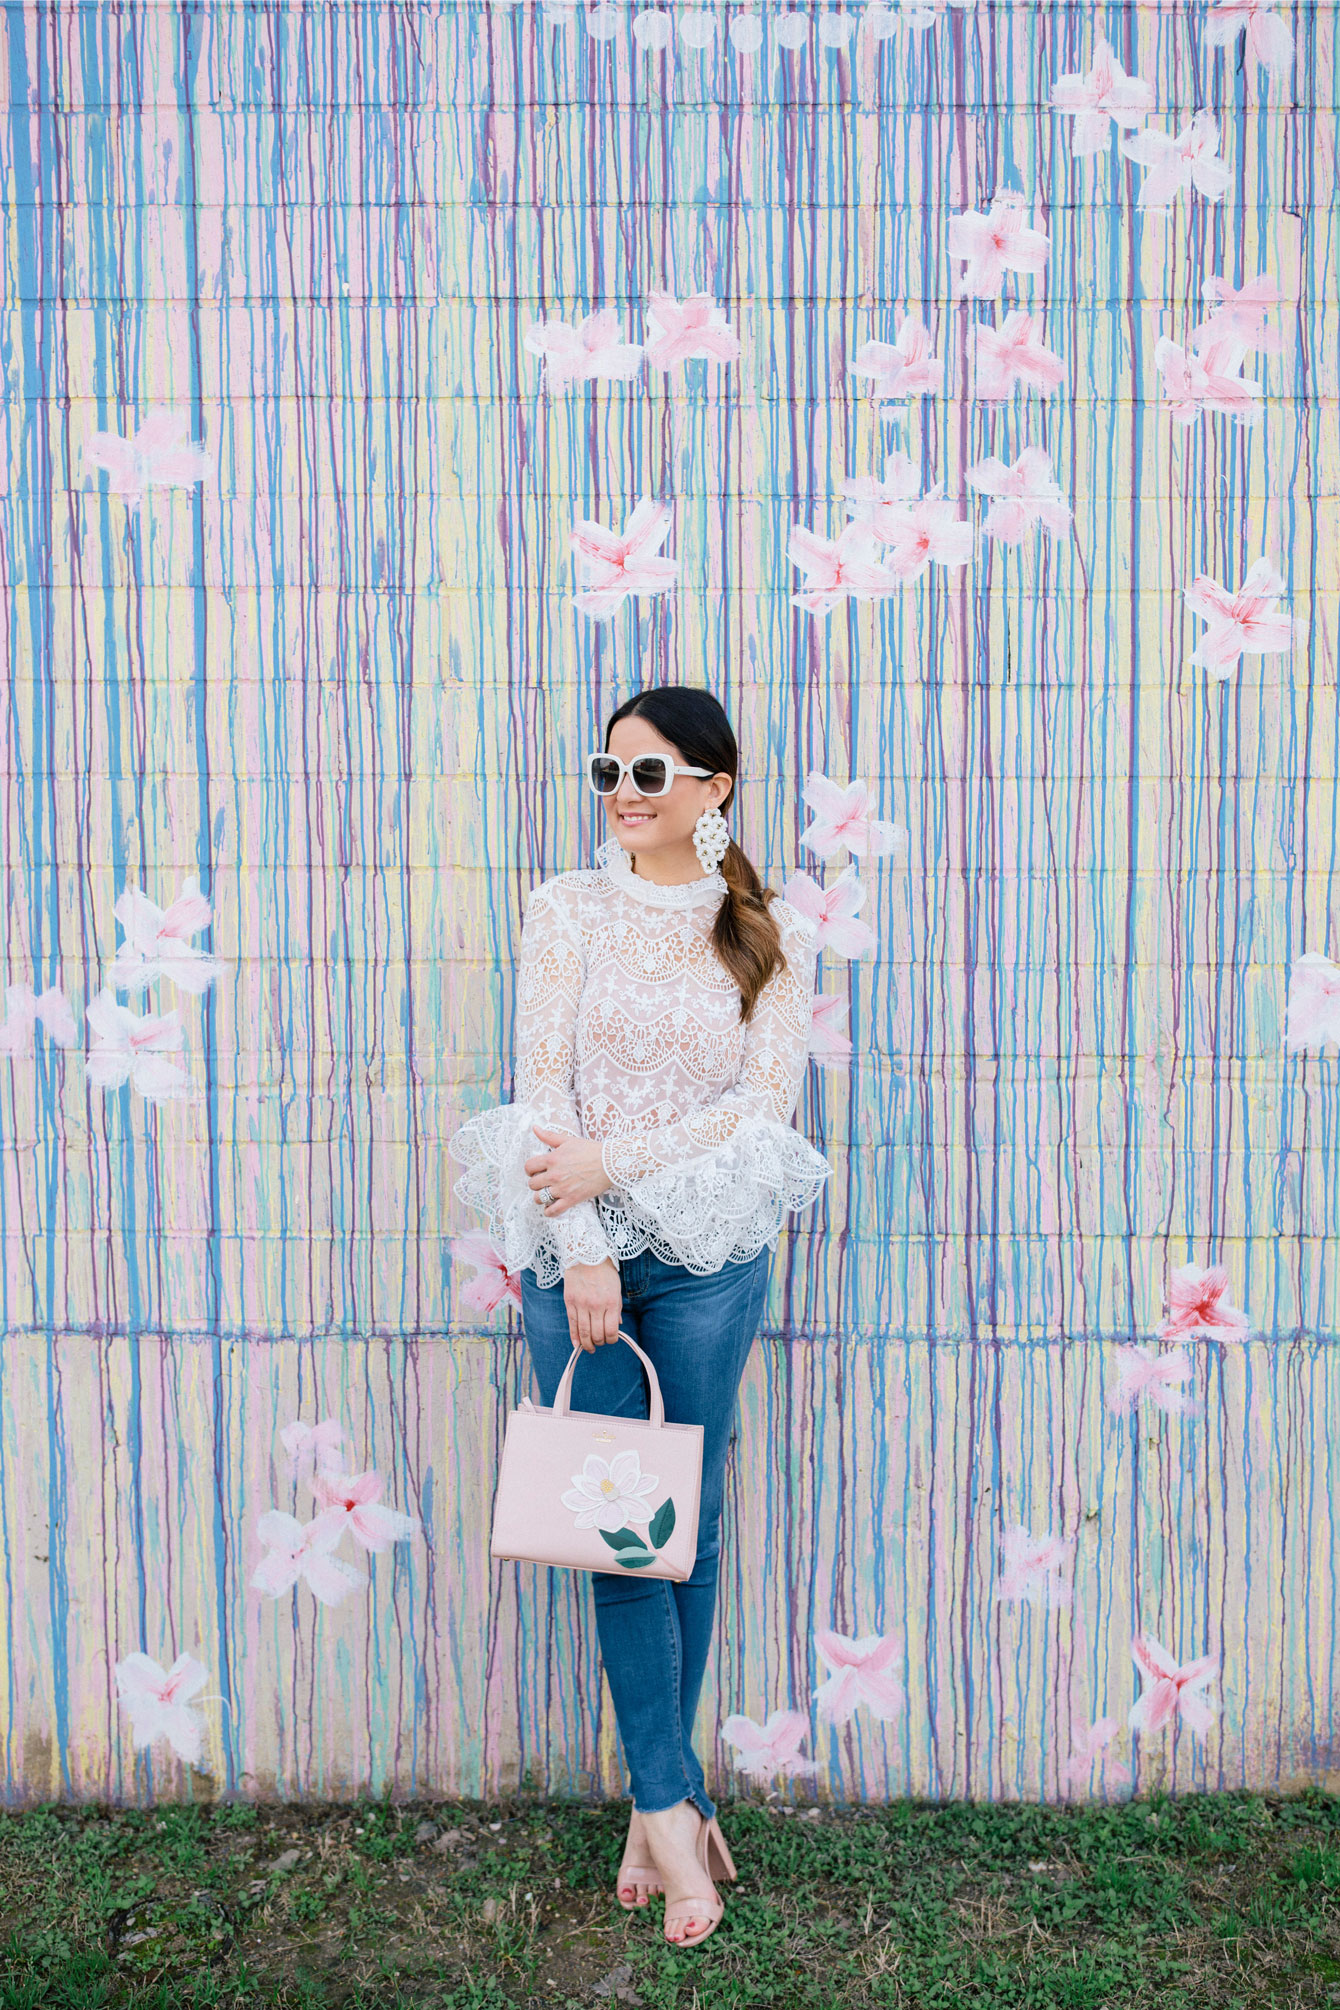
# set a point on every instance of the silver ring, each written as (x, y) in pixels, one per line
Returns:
(545, 1196)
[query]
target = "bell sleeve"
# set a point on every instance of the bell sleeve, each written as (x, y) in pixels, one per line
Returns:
(714, 1186)
(494, 1146)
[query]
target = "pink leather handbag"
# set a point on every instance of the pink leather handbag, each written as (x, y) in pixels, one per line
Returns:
(588, 1492)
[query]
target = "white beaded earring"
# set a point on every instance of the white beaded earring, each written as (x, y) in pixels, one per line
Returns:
(710, 839)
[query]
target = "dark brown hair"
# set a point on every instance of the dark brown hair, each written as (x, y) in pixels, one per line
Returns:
(744, 936)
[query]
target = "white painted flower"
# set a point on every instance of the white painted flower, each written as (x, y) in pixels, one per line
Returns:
(610, 1496)
(158, 1702)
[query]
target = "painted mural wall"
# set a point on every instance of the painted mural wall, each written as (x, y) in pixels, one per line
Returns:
(388, 391)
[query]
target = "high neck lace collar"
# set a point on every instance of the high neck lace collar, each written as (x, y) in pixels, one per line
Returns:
(615, 862)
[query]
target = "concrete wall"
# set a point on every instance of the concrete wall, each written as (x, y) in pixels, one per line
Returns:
(333, 673)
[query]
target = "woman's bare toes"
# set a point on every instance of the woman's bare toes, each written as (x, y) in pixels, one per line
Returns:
(635, 1891)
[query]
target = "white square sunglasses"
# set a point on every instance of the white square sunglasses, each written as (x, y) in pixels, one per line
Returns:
(650, 774)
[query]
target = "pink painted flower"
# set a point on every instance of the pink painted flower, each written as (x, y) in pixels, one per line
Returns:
(1243, 623)
(296, 1550)
(1312, 1015)
(692, 327)
(1239, 314)
(1091, 1746)
(129, 1048)
(1013, 354)
(843, 821)
(836, 567)
(1196, 1304)
(160, 454)
(594, 348)
(903, 368)
(1145, 1376)
(1171, 1689)
(615, 564)
(771, 1749)
(995, 243)
(862, 1673)
(916, 531)
(1179, 162)
(157, 1702)
(1023, 492)
(158, 941)
(1205, 380)
(1035, 1568)
(1100, 98)
(494, 1282)
(312, 1446)
(24, 1007)
(1269, 39)
(830, 1043)
(833, 910)
(1222, 330)
(353, 1501)
(927, 532)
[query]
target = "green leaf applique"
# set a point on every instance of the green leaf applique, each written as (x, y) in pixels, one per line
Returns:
(632, 1552)
(622, 1538)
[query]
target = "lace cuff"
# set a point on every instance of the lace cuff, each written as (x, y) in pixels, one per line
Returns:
(493, 1147)
(722, 1207)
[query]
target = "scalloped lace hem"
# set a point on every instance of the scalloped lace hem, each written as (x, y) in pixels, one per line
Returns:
(722, 1209)
(490, 1147)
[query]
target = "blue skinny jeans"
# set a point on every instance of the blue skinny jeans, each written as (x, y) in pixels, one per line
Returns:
(655, 1635)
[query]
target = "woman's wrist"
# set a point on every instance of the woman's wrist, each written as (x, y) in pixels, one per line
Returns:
(596, 1176)
(566, 1172)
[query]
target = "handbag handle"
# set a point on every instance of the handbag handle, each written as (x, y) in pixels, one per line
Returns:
(564, 1389)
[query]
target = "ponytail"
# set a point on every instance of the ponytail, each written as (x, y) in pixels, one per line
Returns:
(744, 935)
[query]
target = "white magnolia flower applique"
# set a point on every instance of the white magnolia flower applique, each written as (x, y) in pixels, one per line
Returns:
(609, 1496)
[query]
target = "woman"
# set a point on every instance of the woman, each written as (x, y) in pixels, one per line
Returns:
(663, 1019)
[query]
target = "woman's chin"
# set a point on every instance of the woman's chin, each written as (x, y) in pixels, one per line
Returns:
(639, 836)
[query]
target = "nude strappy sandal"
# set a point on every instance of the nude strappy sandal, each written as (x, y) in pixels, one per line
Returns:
(638, 1874)
(716, 1849)
(643, 1874)
(710, 1850)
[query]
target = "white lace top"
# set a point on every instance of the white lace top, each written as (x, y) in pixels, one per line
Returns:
(628, 1030)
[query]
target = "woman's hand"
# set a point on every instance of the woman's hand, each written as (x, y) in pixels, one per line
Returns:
(594, 1300)
(570, 1168)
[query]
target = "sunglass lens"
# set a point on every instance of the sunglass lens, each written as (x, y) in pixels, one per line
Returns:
(604, 776)
(650, 775)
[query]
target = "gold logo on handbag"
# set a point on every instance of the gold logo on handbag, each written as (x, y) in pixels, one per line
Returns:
(559, 1503)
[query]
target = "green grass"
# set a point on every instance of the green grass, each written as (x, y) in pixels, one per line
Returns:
(1198, 1904)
